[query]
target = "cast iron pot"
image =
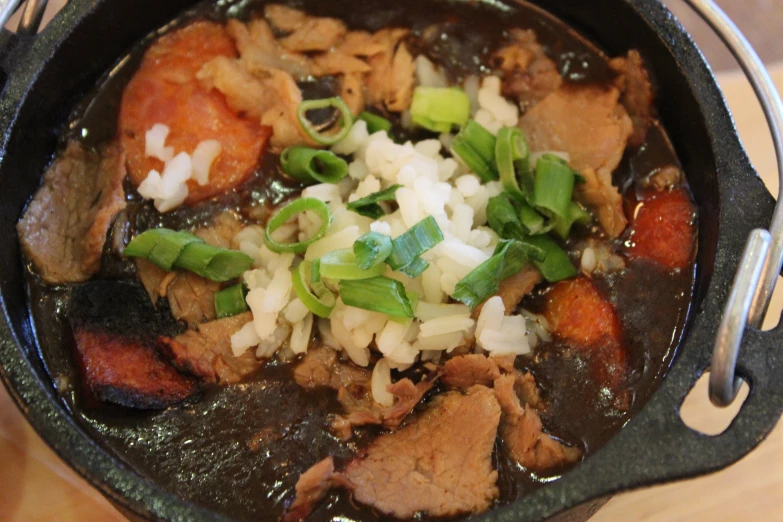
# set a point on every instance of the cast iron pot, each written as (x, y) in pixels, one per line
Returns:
(43, 76)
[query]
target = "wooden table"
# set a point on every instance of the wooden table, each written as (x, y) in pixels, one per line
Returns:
(35, 485)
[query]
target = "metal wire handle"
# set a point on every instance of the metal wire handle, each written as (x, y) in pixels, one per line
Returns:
(31, 16)
(763, 256)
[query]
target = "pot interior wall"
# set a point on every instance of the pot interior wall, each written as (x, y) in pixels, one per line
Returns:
(111, 28)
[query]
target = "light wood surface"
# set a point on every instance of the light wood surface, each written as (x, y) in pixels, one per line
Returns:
(35, 485)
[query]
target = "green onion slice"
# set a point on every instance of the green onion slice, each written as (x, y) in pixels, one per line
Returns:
(165, 253)
(554, 187)
(290, 210)
(173, 249)
(576, 214)
(341, 264)
(375, 123)
(372, 249)
(142, 245)
(346, 119)
(555, 266)
(368, 206)
(440, 108)
(482, 282)
(415, 268)
(230, 301)
(503, 217)
(378, 294)
(532, 222)
(318, 300)
(475, 146)
(414, 242)
(312, 165)
(512, 155)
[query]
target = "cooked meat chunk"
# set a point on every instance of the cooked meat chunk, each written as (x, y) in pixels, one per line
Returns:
(115, 328)
(529, 74)
(206, 352)
(221, 231)
(664, 229)
(514, 288)
(440, 464)
(361, 43)
(338, 62)
(464, 371)
(352, 92)
(285, 18)
(244, 92)
(125, 371)
(580, 315)
(522, 433)
(664, 178)
(64, 228)
(165, 90)
(390, 82)
(322, 367)
(260, 53)
(362, 410)
(634, 82)
(589, 124)
(315, 34)
(311, 488)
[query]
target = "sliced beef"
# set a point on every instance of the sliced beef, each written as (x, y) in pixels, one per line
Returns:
(512, 289)
(314, 34)
(522, 432)
(529, 75)
(634, 82)
(321, 367)
(440, 464)
(206, 352)
(590, 124)
(64, 228)
(464, 371)
(586, 321)
(312, 487)
(126, 371)
(664, 229)
(115, 328)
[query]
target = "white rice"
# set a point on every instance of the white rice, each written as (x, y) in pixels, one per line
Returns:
(380, 381)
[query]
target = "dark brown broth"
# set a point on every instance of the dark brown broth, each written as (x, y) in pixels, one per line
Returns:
(201, 451)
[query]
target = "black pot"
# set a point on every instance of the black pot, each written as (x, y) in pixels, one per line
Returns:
(45, 75)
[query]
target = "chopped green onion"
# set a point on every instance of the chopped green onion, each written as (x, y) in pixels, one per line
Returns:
(290, 210)
(312, 165)
(165, 253)
(475, 146)
(372, 249)
(216, 264)
(576, 214)
(512, 155)
(414, 242)
(320, 300)
(368, 206)
(346, 119)
(415, 268)
(378, 294)
(555, 266)
(440, 108)
(554, 187)
(342, 264)
(230, 301)
(503, 218)
(483, 282)
(375, 123)
(142, 245)
(532, 222)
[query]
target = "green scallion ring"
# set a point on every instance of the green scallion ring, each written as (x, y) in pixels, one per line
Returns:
(312, 165)
(342, 265)
(320, 302)
(287, 212)
(346, 119)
